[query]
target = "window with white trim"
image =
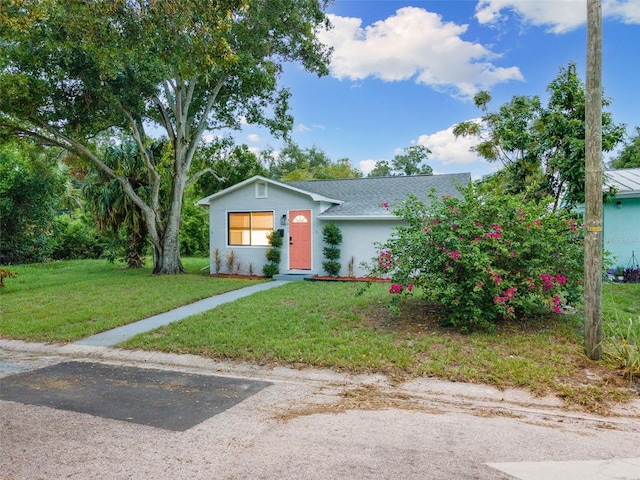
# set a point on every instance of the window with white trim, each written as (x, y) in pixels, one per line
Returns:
(261, 189)
(249, 228)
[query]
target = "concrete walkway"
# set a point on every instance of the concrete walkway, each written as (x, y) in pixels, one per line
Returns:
(120, 334)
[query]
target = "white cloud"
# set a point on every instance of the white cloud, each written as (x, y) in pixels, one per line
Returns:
(303, 128)
(560, 16)
(254, 137)
(627, 11)
(366, 166)
(414, 44)
(448, 149)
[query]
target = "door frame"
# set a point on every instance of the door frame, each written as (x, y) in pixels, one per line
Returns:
(291, 217)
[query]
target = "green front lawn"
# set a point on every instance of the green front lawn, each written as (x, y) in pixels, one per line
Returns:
(68, 300)
(324, 324)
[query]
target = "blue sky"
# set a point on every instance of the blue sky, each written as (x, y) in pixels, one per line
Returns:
(404, 72)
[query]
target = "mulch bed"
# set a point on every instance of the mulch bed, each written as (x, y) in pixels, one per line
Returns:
(327, 278)
(238, 275)
(317, 278)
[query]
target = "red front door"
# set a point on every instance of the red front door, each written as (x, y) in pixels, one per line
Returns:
(300, 239)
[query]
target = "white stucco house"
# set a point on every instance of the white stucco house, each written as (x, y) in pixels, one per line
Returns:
(242, 216)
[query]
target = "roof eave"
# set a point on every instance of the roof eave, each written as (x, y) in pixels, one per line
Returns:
(314, 196)
(358, 217)
(632, 194)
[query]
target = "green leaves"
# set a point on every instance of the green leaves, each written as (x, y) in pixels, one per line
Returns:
(332, 236)
(71, 70)
(487, 257)
(542, 148)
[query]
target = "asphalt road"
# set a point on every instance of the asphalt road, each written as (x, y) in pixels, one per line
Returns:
(314, 424)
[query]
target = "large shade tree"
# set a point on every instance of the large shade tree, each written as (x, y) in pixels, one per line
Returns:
(72, 69)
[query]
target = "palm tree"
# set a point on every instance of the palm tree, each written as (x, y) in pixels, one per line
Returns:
(112, 208)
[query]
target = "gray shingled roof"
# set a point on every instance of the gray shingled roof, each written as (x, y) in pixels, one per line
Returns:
(362, 196)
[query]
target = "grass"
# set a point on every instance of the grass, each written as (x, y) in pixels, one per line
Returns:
(324, 324)
(69, 300)
(621, 328)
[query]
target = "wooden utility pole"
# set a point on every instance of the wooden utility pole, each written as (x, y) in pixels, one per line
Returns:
(593, 185)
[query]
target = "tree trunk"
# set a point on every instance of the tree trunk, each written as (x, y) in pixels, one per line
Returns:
(166, 249)
(168, 259)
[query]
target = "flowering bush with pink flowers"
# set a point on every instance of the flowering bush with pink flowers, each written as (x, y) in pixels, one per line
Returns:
(485, 257)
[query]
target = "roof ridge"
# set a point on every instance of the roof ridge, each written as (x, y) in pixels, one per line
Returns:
(399, 177)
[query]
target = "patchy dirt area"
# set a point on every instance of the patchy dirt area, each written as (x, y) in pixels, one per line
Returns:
(543, 356)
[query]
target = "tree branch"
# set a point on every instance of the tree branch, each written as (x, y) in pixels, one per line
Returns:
(166, 122)
(202, 124)
(197, 175)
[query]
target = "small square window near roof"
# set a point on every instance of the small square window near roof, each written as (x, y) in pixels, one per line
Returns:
(261, 189)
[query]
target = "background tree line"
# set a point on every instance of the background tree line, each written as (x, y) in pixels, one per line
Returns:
(80, 82)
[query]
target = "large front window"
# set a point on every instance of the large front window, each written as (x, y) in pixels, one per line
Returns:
(250, 228)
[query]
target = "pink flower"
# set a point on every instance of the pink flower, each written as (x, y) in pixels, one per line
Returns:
(479, 283)
(455, 256)
(557, 309)
(477, 224)
(410, 287)
(478, 239)
(548, 281)
(395, 289)
(538, 222)
(447, 267)
(520, 213)
(426, 229)
(509, 292)
(385, 205)
(384, 260)
(497, 300)
(454, 227)
(496, 227)
(436, 222)
(561, 279)
(513, 254)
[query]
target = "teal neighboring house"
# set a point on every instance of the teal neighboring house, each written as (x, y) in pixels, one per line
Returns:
(622, 216)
